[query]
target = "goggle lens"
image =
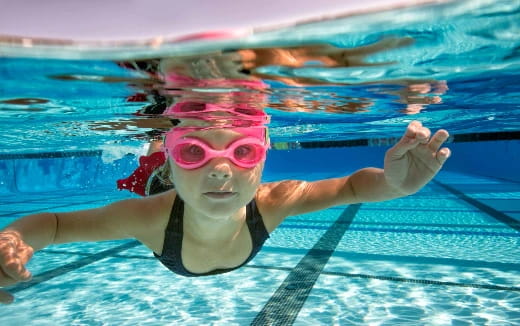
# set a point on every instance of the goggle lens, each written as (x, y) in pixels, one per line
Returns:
(190, 153)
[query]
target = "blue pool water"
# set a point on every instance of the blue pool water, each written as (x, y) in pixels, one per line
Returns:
(447, 255)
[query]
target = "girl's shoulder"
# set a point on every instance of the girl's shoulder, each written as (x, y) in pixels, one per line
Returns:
(275, 200)
(151, 216)
(158, 205)
(151, 210)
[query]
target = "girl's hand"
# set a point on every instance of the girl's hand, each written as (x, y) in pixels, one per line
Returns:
(415, 159)
(14, 254)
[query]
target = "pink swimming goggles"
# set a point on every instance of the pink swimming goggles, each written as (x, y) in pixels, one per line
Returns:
(192, 153)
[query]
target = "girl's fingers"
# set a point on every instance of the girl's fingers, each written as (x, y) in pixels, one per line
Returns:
(414, 135)
(25, 253)
(423, 135)
(14, 268)
(443, 155)
(437, 140)
(412, 128)
(417, 135)
(13, 257)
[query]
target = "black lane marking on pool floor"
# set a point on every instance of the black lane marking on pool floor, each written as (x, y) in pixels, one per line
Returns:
(116, 250)
(374, 258)
(50, 274)
(403, 279)
(396, 224)
(427, 282)
(499, 216)
(287, 301)
(391, 230)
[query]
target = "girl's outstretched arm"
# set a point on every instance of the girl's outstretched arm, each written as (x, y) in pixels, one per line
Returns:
(409, 165)
(134, 218)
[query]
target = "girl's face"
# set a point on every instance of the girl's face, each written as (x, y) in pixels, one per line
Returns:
(219, 188)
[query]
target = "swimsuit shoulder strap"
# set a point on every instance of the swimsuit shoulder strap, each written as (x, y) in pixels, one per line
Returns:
(176, 216)
(256, 226)
(174, 231)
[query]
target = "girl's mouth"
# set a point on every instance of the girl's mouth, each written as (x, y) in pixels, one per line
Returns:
(220, 194)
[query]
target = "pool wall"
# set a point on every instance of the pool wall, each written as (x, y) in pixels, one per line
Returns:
(53, 171)
(498, 159)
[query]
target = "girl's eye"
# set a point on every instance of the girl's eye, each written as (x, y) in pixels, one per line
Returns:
(192, 153)
(244, 152)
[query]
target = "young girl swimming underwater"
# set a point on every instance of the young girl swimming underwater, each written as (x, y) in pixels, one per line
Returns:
(219, 214)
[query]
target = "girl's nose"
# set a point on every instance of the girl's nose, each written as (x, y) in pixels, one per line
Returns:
(220, 169)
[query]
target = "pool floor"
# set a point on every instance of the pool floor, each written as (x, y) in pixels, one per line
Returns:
(447, 255)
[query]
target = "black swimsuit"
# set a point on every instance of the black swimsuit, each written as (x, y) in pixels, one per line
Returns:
(171, 253)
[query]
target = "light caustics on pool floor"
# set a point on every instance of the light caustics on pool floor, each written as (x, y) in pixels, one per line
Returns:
(447, 255)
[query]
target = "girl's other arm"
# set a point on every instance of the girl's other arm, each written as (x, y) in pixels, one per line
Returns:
(409, 165)
(138, 218)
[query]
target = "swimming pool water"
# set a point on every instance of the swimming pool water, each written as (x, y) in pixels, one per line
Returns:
(447, 255)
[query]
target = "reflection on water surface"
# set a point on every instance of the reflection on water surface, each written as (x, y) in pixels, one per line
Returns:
(338, 79)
